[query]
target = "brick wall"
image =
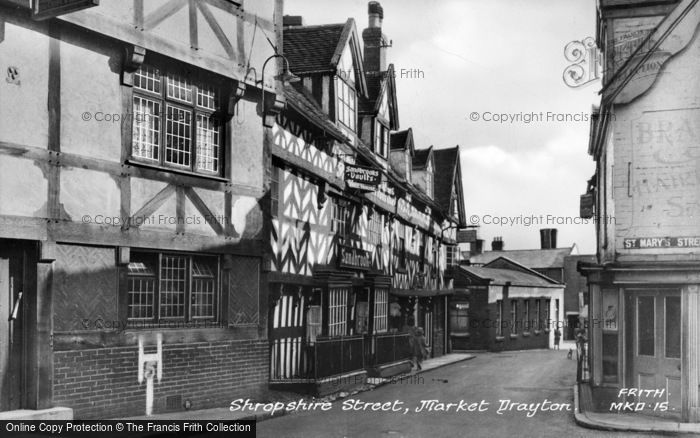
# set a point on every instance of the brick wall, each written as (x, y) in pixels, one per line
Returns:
(102, 383)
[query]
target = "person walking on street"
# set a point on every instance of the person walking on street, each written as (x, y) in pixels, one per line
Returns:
(420, 349)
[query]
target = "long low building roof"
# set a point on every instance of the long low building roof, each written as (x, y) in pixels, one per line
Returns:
(515, 278)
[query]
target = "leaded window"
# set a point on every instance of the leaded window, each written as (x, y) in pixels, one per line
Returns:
(176, 121)
(172, 286)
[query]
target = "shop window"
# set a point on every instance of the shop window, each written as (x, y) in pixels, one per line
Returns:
(610, 340)
(313, 323)
(337, 312)
(459, 317)
(513, 317)
(538, 314)
(172, 286)
(175, 122)
(361, 311)
(381, 310)
(547, 320)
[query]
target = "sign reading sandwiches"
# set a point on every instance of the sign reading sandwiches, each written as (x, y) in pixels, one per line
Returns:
(353, 258)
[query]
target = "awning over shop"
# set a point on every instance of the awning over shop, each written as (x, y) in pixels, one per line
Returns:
(421, 293)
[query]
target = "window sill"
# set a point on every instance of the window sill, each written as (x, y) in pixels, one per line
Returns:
(546, 330)
(538, 332)
(500, 339)
(526, 334)
(512, 336)
(138, 163)
(174, 325)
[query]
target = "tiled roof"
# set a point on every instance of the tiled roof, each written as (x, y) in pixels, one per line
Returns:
(445, 166)
(307, 107)
(516, 278)
(310, 49)
(532, 258)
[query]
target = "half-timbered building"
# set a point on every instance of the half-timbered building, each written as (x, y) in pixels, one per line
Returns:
(132, 169)
(357, 249)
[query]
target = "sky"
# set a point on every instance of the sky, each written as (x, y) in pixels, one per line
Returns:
(473, 61)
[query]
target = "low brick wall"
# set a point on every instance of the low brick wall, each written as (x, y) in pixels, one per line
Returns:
(102, 383)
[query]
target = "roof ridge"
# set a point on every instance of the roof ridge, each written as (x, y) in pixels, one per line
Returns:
(313, 26)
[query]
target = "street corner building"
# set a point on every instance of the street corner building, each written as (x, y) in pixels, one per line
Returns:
(644, 288)
(363, 225)
(133, 173)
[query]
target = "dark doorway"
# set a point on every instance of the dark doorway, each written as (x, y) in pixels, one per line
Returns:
(571, 326)
(13, 313)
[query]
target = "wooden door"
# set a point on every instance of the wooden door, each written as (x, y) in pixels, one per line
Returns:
(655, 325)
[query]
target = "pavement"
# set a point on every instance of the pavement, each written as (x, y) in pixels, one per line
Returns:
(626, 422)
(263, 410)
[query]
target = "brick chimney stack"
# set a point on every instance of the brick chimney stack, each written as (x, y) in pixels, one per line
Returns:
(497, 244)
(548, 238)
(375, 41)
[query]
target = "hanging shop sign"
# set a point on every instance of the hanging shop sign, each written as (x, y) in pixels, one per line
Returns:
(362, 178)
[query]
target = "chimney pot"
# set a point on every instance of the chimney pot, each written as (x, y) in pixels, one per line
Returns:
(497, 244)
(292, 20)
(375, 8)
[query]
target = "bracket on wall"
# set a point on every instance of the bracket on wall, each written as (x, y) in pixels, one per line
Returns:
(123, 255)
(270, 112)
(236, 95)
(133, 59)
(48, 251)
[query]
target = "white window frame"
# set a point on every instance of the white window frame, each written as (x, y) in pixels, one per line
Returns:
(346, 104)
(338, 311)
(381, 311)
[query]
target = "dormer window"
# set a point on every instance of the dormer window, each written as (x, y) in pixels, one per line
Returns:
(381, 139)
